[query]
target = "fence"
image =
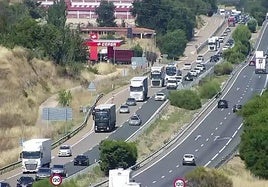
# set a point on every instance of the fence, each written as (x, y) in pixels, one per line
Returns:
(61, 140)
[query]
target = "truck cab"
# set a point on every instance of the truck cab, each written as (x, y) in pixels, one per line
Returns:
(104, 117)
(139, 88)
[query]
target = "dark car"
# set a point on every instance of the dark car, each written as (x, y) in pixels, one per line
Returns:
(25, 181)
(214, 58)
(236, 108)
(42, 173)
(222, 104)
(60, 170)
(131, 102)
(4, 184)
(81, 160)
(188, 77)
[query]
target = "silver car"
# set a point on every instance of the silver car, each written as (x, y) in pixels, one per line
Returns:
(43, 173)
(135, 120)
(124, 109)
(188, 159)
(65, 150)
(60, 170)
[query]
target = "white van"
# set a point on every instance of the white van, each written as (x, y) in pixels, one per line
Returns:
(187, 66)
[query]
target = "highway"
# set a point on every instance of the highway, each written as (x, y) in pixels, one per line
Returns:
(213, 136)
(145, 109)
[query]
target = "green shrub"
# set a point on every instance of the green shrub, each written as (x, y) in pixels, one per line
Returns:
(209, 88)
(225, 68)
(186, 99)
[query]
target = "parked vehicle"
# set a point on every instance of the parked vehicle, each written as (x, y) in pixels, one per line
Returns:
(139, 88)
(36, 153)
(104, 117)
(188, 159)
(42, 173)
(134, 120)
(60, 170)
(25, 181)
(65, 150)
(81, 160)
(124, 109)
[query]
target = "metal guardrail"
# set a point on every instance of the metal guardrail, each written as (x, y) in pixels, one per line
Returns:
(59, 141)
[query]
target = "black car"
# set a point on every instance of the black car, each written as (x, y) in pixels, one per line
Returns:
(42, 173)
(25, 181)
(81, 160)
(214, 58)
(188, 77)
(131, 102)
(236, 108)
(222, 104)
(4, 184)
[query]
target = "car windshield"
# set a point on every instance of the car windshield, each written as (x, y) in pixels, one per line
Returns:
(124, 106)
(26, 179)
(131, 99)
(58, 167)
(160, 94)
(188, 156)
(134, 118)
(81, 157)
(65, 147)
(44, 170)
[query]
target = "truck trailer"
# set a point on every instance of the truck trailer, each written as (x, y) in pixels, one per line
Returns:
(35, 153)
(157, 76)
(139, 88)
(213, 43)
(121, 178)
(260, 62)
(104, 117)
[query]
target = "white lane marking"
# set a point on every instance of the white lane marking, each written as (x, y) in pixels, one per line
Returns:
(229, 113)
(237, 89)
(154, 182)
(245, 91)
(234, 134)
(225, 117)
(197, 137)
(177, 145)
(265, 85)
(170, 171)
(177, 166)
(207, 139)
(243, 94)
(238, 101)
(241, 97)
(212, 134)
(224, 145)
(196, 150)
(216, 137)
(202, 145)
(216, 128)
(163, 176)
(220, 123)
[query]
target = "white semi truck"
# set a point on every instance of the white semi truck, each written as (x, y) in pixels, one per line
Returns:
(104, 117)
(139, 88)
(260, 62)
(35, 153)
(121, 178)
(213, 43)
(157, 76)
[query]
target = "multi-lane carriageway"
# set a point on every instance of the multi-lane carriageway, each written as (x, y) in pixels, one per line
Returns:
(214, 135)
(88, 144)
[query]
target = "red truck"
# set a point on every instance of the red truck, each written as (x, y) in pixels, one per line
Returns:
(121, 56)
(231, 21)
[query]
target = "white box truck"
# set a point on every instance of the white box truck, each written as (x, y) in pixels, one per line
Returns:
(35, 153)
(139, 88)
(121, 178)
(104, 117)
(157, 76)
(260, 62)
(172, 83)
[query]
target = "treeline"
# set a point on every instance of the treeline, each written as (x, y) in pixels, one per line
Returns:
(174, 21)
(43, 32)
(254, 140)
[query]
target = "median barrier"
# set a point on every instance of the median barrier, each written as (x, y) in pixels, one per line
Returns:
(59, 141)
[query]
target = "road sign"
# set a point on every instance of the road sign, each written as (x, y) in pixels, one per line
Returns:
(57, 114)
(55, 180)
(179, 182)
(91, 87)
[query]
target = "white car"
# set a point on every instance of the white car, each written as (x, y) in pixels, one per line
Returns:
(124, 109)
(201, 67)
(65, 150)
(187, 66)
(188, 159)
(160, 96)
(225, 47)
(221, 39)
(193, 73)
(198, 71)
(225, 34)
(199, 59)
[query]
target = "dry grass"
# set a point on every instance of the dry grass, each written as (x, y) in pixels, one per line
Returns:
(241, 177)
(105, 68)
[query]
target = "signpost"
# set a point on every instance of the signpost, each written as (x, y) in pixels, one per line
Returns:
(55, 180)
(179, 182)
(91, 87)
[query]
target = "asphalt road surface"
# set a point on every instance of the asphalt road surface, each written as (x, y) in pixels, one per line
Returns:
(213, 137)
(144, 109)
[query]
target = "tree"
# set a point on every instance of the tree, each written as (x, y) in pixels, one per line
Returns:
(173, 43)
(56, 14)
(117, 154)
(186, 99)
(209, 88)
(138, 51)
(65, 98)
(203, 177)
(252, 25)
(105, 14)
